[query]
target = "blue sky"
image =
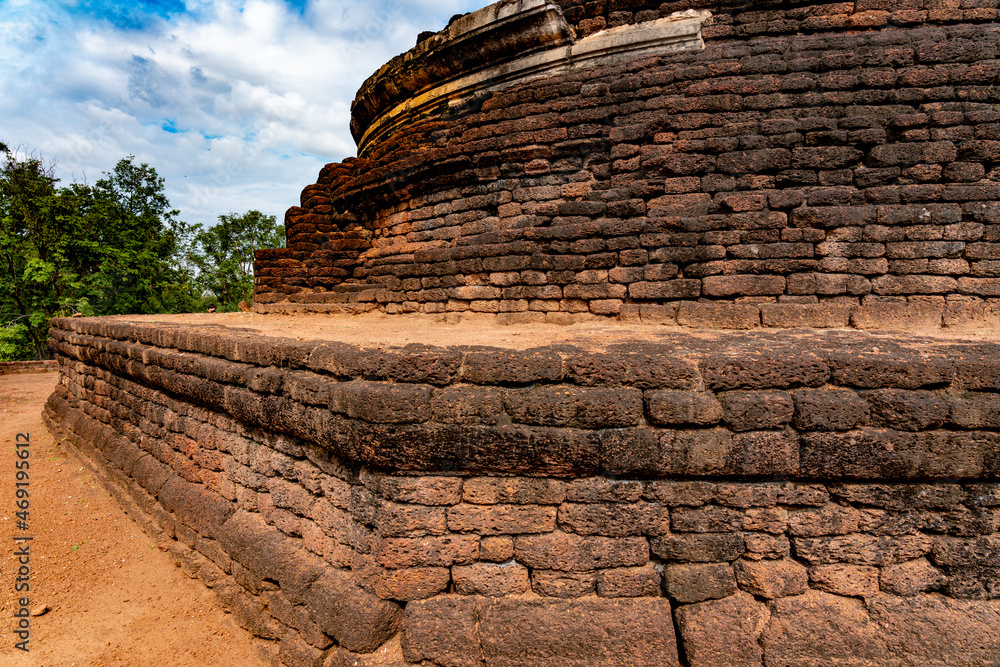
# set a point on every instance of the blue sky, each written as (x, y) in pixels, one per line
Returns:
(236, 103)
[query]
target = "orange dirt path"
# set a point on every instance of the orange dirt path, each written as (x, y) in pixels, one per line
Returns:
(114, 598)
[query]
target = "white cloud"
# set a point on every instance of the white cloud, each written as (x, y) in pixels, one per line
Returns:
(237, 103)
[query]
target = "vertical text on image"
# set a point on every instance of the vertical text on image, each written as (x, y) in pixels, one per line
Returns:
(22, 541)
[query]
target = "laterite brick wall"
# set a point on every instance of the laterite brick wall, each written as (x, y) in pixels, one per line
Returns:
(16, 367)
(753, 499)
(827, 164)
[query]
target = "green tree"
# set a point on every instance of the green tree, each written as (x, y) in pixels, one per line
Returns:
(139, 239)
(224, 255)
(15, 343)
(114, 248)
(38, 280)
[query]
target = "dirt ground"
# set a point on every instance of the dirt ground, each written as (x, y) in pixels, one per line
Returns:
(113, 597)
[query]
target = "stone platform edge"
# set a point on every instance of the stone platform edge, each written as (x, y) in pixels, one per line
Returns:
(812, 406)
(18, 367)
(799, 498)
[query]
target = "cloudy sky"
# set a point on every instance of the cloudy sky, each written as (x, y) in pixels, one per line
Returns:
(236, 103)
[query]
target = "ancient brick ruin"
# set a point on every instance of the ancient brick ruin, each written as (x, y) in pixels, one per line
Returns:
(677, 496)
(15, 367)
(776, 499)
(543, 160)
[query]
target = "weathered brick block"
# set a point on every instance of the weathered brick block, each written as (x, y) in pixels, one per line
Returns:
(382, 403)
(766, 494)
(707, 548)
(944, 626)
(666, 290)
(615, 519)
(196, 506)
(718, 315)
(829, 409)
(764, 371)
(443, 551)
(976, 411)
(644, 368)
(848, 580)
(750, 410)
(291, 496)
(902, 497)
(687, 583)
(860, 549)
(749, 162)
(723, 632)
(467, 405)
(599, 291)
(714, 519)
(475, 292)
(400, 520)
(816, 316)
(764, 453)
(460, 631)
(496, 549)
(513, 491)
(421, 490)
(899, 371)
(575, 407)
(743, 285)
(670, 408)
(603, 490)
(908, 410)
(358, 620)
(557, 584)
(406, 584)
(771, 579)
(628, 582)
(501, 519)
(716, 451)
(880, 454)
(967, 552)
(493, 580)
(828, 520)
(910, 578)
(568, 552)
(984, 495)
(674, 493)
(897, 316)
(765, 546)
(514, 367)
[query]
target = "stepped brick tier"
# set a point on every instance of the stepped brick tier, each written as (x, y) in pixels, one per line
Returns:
(652, 498)
(820, 164)
(17, 367)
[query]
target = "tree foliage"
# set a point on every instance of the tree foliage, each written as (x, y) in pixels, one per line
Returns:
(139, 239)
(38, 230)
(115, 247)
(224, 255)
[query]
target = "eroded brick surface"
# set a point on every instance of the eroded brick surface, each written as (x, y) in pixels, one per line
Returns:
(302, 530)
(794, 499)
(828, 166)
